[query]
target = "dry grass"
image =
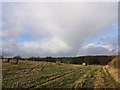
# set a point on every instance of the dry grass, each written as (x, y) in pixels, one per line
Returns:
(114, 72)
(115, 62)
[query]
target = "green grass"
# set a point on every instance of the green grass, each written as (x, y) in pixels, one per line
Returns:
(30, 74)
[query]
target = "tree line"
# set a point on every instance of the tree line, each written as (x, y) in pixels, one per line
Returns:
(89, 60)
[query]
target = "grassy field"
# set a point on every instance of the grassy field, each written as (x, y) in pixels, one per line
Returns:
(30, 74)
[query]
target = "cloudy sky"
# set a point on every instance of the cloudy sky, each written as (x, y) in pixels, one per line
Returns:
(59, 28)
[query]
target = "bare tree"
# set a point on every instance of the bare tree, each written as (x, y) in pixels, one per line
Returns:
(17, 58)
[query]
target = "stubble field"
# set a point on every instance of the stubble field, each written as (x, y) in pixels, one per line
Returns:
(31, 74)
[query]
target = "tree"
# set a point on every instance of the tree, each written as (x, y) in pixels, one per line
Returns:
(8, 60)
(2, 57)
(18, 57)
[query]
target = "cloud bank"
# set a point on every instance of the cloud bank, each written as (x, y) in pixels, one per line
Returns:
(57, 29)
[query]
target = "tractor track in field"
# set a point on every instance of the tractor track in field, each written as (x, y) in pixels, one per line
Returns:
(89, 80)
(66, 82)
(109, 82)
(51, 75)
(62, 82)
(44, 79)
(54, 79)
(24, 72)
(81, 80)
(99, 79)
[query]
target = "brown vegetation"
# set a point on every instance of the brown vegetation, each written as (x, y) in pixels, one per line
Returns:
(114, 68)
(115, 62)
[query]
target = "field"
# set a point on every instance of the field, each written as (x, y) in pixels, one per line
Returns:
(31, 74)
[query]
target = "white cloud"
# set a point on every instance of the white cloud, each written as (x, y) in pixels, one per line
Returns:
(52, 47)
(94, 49)
(61, 28)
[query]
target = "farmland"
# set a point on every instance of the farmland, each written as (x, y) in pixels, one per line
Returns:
(34, 74)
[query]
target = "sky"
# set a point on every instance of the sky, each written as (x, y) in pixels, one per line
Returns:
(59, 29)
